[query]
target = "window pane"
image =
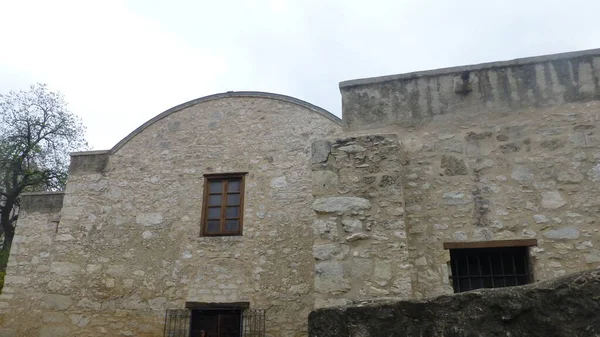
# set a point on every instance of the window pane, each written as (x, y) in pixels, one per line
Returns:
(234, 185)
(214, 213)
(215, 186)
(215, 200)
(232, 225)
(233, 199)
(232, 212)
(213, 226)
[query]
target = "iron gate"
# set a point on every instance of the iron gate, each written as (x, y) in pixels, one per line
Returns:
(253, 323)
(177, 323)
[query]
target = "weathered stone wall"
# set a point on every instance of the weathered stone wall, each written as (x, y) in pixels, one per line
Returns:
(413, 98)
(128, 245)
(532, 174)
(360, 244)
(508, 150)
(566, 307)
(24, 295)
(511, 167)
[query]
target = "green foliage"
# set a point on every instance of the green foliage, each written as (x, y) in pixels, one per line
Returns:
(2, 275)
(3, 263)
(37, 132)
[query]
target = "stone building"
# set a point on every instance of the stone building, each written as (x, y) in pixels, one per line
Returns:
(239, 213)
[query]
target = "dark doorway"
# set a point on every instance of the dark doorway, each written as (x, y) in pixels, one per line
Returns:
(216, 323)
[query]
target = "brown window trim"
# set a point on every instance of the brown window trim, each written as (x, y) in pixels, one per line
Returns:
(491, 244)
(204, 219)
(211, 305)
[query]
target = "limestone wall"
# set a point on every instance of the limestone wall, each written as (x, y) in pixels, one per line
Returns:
(533, 174)
(128, 246)
(414, 98)
(360, 243)
(512, 158)
(27, 280)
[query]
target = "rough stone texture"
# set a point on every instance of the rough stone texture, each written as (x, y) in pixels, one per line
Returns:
(412, 99)
(505, 195)
(127, 245)
(371, 260)
(331, 216)
(565, 307)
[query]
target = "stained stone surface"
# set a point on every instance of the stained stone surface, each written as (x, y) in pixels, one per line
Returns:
(368, 208)
(125, 246)
(333, 214)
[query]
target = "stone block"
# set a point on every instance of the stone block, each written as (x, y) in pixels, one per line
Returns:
(562, 233)
(149, 219)
(357, 236)
(352, 225)
(55, 331)
(449, 145)
(329, 251)
(340, 204)
(324, 183)
(57, 302)
(522, 174)
(452, 166)
(329, 278)
(383, 270)
(455, 198)
(320, 151)
(552, 200)
(594, 173)
(65, 268)
(353, 148)
(325, 229)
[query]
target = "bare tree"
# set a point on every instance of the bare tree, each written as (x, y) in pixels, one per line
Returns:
(37, 132)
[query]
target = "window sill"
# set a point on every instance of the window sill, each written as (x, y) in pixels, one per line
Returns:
(224, 238)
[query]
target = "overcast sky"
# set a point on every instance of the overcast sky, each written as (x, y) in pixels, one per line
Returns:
(120, 63)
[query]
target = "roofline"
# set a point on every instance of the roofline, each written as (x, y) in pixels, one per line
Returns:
(258, 94)
(473, 67)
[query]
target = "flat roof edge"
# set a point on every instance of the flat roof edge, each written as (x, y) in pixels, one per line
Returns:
(473, 67)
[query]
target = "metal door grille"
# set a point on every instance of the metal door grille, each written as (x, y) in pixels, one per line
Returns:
(489, 268)
(177, 323)
(253, 323)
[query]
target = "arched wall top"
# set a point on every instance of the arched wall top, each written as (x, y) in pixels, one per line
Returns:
(228, 94)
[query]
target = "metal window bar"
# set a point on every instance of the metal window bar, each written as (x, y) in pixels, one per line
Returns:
(253, 323)
(468, 268)
(177, 323)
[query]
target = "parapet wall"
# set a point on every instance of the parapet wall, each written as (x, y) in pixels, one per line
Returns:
(43, 202)
(500, 87)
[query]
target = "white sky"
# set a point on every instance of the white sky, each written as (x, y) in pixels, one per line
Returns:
(120, 63)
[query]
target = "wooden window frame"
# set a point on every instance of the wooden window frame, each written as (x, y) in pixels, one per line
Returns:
(205, 203)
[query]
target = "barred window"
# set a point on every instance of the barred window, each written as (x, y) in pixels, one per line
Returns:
(489, 265)
(215, 320)
(223, 205)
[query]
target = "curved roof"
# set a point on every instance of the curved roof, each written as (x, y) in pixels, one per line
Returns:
(228, 94)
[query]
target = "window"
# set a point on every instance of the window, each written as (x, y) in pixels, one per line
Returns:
(489, 265)
(215, 320)
(223, 204)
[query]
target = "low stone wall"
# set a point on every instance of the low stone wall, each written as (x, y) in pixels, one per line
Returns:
(567, 307)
